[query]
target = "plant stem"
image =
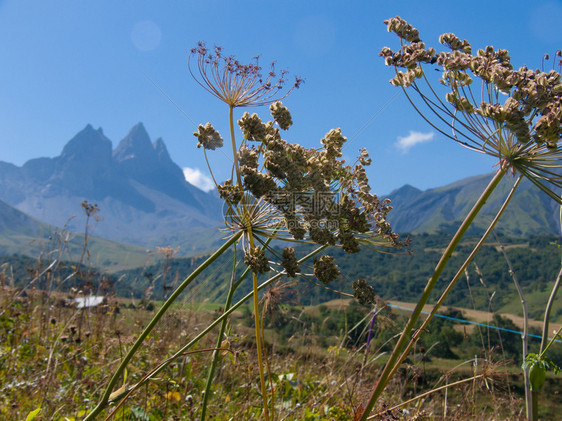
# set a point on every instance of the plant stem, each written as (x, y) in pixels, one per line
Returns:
(529, 402)
(248, 227)
(547, 311)
(215, 355)
(394, 357)
(550, 302)
(457, 276)
(423, 395)
(105, 397)
(233, 287)
(221, 318)
(535, 405)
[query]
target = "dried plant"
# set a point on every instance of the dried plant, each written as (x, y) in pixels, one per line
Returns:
(279, 190)
(513, 115)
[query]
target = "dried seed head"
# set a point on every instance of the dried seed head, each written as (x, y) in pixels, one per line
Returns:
(523, 131)
(229, 193)
(364, 158)
(364, 293)
(325, 269)
(237, 84)
(402, 29)
(208, 137)
(281, 115)
(252, 127)
(289, 262)
(247, 157)
(256, 259)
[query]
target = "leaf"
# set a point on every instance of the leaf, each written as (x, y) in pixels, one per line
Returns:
(33, 414)
(537, 375)
(121, 391)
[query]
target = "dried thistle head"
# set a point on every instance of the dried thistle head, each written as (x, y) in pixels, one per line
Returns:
(513, 115)
(237, 84)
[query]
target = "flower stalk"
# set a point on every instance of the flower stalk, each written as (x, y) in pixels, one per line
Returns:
(522, 132)
(105, 397)
(394, 359)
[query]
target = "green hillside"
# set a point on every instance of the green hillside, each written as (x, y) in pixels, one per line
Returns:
(400, 276)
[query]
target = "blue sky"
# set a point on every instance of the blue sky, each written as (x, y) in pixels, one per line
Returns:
(69, 63)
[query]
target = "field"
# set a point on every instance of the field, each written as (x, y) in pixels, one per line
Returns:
(57, 358)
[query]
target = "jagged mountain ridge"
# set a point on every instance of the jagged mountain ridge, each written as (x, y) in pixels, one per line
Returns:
(145, 200)
(531, 212)
(142, 194)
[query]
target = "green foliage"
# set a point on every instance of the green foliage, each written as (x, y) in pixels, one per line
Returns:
(538, 366)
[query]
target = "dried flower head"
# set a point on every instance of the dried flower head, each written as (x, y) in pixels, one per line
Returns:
(237, 84)
(289, 262)
(230, 193)
(364, 293)
(283, 190)
(281, 115)
(306, 194)
(208, 137)
(514, 115)
(325, 269)
(255, 258)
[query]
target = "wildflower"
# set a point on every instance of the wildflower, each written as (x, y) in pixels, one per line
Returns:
(515, 116)
(237, 84)
(325, 269)
(364, 293)
(208, 137)
(256, 259)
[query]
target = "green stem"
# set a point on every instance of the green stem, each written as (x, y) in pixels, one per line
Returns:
(547, 311)
(215, 356)
(556, 335)
(535, 400)
(254, 274)
(549, 305)
(105, 398)
(233, 287)
(457, 276)
(394, 357)
(529, 402)
(220, 319)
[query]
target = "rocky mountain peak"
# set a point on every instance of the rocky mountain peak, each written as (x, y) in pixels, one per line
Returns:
(136, 145)
(89, 144)
(161, 151)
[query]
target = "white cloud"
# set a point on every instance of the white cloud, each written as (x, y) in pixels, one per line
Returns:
(413, 138)
(198, 179)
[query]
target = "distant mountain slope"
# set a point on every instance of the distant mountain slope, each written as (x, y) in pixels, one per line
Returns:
(530, 212)
(14, 221)
(142, 194)
(21, 234)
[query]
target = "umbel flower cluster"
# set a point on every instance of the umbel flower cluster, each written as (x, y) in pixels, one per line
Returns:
(283, 190)
(237, 84)
(514, 115)
(300, 194)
